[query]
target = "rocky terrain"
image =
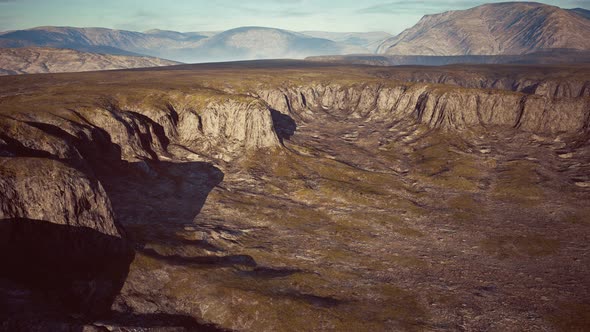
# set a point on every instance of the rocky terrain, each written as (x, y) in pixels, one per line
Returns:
(290, 195)
(507, 28)
(14, 61)
(236, 44)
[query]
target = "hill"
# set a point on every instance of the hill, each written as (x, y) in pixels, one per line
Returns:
(368, 40)
(35, 60)
(259, 43)
(493, 29)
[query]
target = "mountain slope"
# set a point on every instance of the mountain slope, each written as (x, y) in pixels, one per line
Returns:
(47, 60)
(493, 29)
(87, 39)
(180, 36)
(368, 40)
(264, 43)
(581, 11)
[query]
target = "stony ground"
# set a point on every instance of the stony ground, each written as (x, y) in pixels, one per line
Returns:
(353, 223)
(359, 227)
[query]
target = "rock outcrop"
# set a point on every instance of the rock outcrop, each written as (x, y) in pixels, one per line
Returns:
(436, 106)
(59, 240)
(68, 196)
(550, 87)
(219, 127)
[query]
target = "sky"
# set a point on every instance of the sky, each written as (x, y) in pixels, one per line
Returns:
(216, 15)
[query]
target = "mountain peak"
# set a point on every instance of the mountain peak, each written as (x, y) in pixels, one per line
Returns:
(493, 29)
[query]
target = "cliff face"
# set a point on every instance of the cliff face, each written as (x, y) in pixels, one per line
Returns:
(120, 130)
(436, 106)
(550, 87)
(69, 197)
(56, 218)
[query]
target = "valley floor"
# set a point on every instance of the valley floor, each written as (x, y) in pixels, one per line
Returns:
(349, 229)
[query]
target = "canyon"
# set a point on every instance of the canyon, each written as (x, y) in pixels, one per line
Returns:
(293, 195)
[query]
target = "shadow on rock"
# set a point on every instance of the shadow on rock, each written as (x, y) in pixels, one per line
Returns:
(71, 270)
(203, 261)
(62, 278)
(156, 321)
(284, 125)
(156, 192)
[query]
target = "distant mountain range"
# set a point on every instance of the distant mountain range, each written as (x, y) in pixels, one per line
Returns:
(477, 35)
(34, 60)
(244, 43)
(367, 40)
(508, 28)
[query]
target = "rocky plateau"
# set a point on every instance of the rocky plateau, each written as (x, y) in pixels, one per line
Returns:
(296, 196)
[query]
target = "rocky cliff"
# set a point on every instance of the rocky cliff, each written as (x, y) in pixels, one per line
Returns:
(559, 82)
(436, 106)
(56, 218)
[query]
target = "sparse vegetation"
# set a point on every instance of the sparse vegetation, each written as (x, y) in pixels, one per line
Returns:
(355, 221)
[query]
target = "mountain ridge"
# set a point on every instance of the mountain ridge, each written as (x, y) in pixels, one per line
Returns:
(508, 28)
(36, 60)
(179, 46)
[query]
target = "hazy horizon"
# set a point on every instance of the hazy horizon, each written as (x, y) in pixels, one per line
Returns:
(188, 16)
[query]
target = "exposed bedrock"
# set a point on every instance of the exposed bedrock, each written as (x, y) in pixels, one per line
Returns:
(548, 88)
(194, 127)
(444, 107)
(56, 219)
(567, 87)
(50, 190)
(126, 131)
(58, 238)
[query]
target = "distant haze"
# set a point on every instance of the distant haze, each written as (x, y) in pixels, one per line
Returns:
(204, 15)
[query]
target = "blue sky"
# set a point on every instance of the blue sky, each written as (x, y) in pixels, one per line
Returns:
(210, 15)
